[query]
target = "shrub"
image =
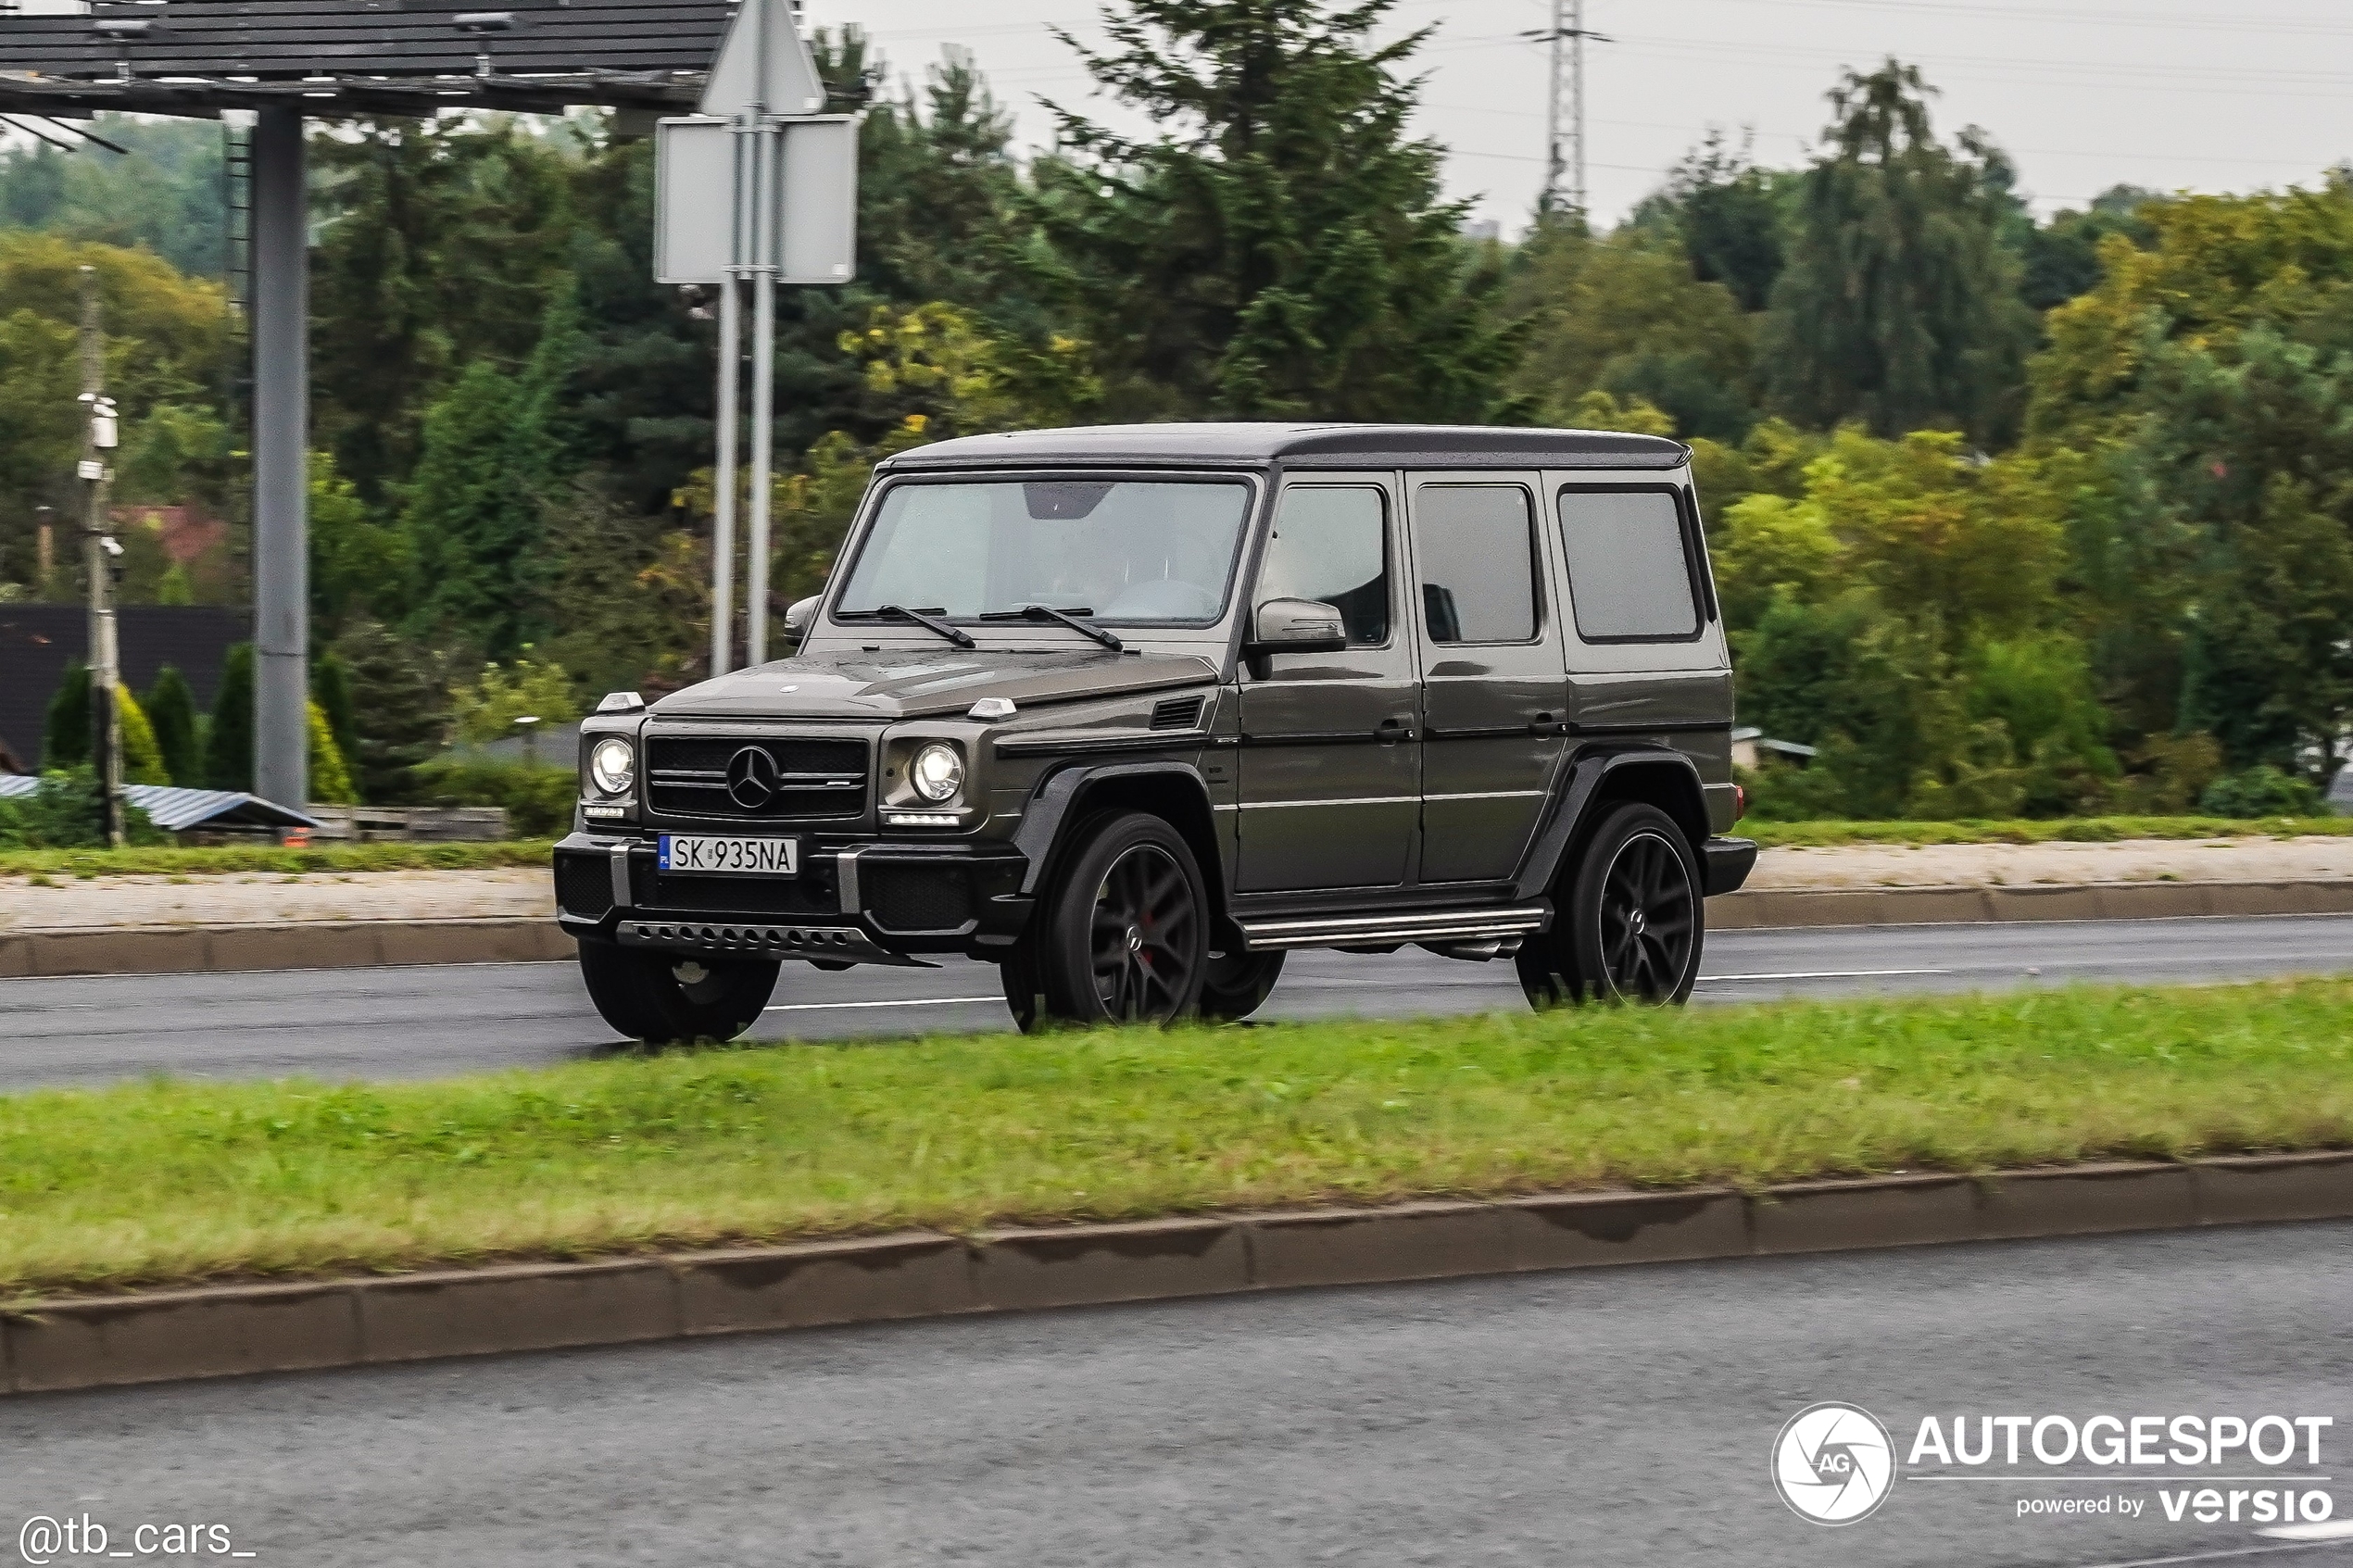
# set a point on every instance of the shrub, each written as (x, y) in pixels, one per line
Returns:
(2259, 790)
(63, 814)
(539, 800)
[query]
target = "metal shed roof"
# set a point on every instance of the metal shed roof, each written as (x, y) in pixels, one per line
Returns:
(1304, 445)
(176, 811)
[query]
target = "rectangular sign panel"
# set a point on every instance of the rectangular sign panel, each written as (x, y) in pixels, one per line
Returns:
(819, 243)
(694, 200)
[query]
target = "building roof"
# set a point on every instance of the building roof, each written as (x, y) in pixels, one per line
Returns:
(332, 57)
(176, 811)
(1303, 446)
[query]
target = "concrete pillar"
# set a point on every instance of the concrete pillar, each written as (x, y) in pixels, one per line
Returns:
(281, 329)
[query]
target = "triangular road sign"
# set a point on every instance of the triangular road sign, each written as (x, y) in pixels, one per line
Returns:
(789, 85)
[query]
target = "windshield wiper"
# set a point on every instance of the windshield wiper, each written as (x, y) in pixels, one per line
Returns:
(1067, 617)
(925, 619)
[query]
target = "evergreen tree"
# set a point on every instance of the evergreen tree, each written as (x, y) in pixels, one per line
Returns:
(331, 689)
(228, 756)
(399, 713)
(65, 739)
(1727, 215)
(472, 520)
(142, 758)
(171, 709)
(1281, 248)
(1899, 304)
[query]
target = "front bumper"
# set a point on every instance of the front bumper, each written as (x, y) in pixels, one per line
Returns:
(873, 901)
(1729, 861)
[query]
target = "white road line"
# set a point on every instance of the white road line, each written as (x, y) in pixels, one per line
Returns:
(2237, 1555)
(2333, 1530)
(1826, 975)
(909, 1002)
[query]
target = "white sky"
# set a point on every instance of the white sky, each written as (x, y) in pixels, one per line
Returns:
(2084, 94)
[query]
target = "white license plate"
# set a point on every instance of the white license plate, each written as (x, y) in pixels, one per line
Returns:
(730, 857)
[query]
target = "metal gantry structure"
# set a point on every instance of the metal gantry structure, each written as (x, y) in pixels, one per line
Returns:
(287, 61)
(1565, 186)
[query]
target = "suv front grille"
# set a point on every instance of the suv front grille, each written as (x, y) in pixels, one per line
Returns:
(584, 885)
(915, 895)
(806, 779)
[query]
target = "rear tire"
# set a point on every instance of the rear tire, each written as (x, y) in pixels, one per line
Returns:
(1123, 935)
(1236, 984)
(1632, 924)
(662, 998)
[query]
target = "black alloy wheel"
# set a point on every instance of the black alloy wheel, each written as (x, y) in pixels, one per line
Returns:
(1237, 982)
(1122, 937)
(661, 998)
(1632, 925)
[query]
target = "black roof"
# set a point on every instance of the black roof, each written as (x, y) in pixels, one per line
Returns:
(1303, 445)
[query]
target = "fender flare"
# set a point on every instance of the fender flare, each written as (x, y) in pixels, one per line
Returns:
(1573, 807)
(1050, 805)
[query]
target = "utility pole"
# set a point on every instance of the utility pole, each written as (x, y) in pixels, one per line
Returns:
(100, 436)
(1565, 186)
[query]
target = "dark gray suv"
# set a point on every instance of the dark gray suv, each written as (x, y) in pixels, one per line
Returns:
(1133, 713)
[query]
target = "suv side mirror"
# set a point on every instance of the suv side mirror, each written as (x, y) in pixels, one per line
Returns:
(1296, 626)
(800, 615)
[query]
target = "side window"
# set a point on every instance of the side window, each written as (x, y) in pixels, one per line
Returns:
(1629, 567)
(1331, 544)
(1477, 543)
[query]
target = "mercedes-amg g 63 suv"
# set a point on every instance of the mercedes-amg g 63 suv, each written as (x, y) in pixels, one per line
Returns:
(1132, 712)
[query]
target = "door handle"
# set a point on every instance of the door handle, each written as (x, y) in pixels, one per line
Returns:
(1546, 724)
(1392, 730)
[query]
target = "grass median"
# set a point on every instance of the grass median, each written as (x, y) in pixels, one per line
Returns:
(269, 859)
(2054, 830)
(164, 1181)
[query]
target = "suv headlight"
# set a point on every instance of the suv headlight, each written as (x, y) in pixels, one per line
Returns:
(938, 771)
(612, 763)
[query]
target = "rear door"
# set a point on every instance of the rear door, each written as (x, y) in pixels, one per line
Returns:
(1331, 753)
(1493, 694)
(1645, 646)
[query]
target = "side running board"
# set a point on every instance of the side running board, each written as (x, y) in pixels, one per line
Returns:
(1421, 925)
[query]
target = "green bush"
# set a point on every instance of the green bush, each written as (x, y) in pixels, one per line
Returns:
(538, 800)
(63, 814)
(2259, 790)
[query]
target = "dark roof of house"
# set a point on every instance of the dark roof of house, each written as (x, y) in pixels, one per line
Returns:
(359, 57)
(1303, 445)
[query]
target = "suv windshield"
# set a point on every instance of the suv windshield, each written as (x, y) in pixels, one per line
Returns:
(1116, 550)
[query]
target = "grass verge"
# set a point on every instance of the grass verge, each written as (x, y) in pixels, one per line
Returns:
(163, 1181)
(271, 859)
(2058, 830)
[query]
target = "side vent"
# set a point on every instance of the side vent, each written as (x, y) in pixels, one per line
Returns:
(1179, 713)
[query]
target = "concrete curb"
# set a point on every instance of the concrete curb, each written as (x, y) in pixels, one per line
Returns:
(1751, 910)
(208, 949)
(199, 949)
(90, 1342)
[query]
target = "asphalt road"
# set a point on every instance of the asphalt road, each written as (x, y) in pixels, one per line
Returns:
(1620, 1416)
(438, 1020)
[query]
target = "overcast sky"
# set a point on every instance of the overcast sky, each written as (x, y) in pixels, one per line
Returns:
(2084, 93)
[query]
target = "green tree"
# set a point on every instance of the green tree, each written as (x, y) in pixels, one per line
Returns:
(1727, 215)
(171, 709)
(471, 519)
(1280, 249)
(358, 565)
(1899, 304)
(164, 196)
(228, 757)
(400, 711)
(331, 689)
(65, 738)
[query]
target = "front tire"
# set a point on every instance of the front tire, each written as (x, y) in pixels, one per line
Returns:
(1122, 937)
(661, 998)
(1632, 924)
(1236, 984)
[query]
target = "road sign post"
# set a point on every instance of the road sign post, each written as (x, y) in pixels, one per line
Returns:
(787, 176)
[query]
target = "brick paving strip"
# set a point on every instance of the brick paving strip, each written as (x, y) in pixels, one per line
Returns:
(127, 926)
(221, 1331)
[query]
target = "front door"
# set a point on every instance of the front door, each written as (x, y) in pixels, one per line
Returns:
(1331, 753)
(1495, 700)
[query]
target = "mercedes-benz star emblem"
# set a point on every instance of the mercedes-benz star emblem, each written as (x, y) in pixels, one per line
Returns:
(753, 778)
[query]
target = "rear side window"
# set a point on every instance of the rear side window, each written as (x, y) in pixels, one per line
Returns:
(1477, 543)
(1331, 544)
(1630, 577)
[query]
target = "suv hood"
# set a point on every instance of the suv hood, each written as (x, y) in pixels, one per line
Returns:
(916, 682)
